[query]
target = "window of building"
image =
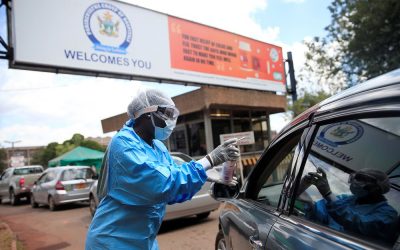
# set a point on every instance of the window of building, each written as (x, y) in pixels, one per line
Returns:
(197, 139)
(220, 113)
(178, 140)
(220, 126)
(259, 128)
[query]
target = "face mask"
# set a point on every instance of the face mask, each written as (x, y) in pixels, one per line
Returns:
(163, 133)
(358, 190)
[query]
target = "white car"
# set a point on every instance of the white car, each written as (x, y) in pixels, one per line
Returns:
(200, 205)
(61, 185)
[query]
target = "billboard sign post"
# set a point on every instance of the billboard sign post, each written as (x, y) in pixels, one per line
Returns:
(117, 39)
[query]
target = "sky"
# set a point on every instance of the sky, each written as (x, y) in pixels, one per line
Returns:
(38, 108)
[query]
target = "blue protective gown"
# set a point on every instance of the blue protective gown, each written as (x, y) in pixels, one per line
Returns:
(141, 180)
(377, 220)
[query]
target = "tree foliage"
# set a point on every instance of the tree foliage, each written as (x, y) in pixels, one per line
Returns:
(3, 159)
(308, 100)
(362, 42)
(55, 149)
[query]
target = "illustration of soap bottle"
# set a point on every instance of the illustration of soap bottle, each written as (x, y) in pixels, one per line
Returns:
(244, 53)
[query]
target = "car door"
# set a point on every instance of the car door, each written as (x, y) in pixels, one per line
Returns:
(246, 221)
(4, 182)
(340, 148)
(38, 190)
(48, 185)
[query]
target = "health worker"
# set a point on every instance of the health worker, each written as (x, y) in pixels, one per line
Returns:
(139, 178)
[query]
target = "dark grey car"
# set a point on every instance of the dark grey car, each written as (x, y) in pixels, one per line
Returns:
(358, 128)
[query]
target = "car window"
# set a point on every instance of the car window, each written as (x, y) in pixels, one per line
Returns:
(51, 175)
(25, 171)
(7, 174)
(42, 178)
(275, 174)
(394, 175)
(350, 179)
(76, 174)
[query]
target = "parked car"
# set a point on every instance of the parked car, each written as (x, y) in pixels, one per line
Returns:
(61, 185)
(200, 205)
(15, 182)
(355, 129)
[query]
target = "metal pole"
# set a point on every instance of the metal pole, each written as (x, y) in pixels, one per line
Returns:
(292, 76)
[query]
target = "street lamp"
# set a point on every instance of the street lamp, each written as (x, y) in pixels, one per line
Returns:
(12, 149)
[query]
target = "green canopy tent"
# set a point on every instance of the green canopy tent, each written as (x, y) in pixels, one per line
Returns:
(79, 156)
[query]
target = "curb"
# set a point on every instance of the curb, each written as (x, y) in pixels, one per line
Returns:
(14, 236)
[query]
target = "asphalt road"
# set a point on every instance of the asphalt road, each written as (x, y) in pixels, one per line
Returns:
(41, 229)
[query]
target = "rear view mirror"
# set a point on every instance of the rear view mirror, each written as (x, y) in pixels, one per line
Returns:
(95, 177)
(220, 191)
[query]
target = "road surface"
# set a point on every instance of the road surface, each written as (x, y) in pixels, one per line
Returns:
(41, 229)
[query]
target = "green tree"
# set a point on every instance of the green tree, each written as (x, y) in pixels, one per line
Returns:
(37, 157)
(55, 149)
(93, 145)
(308, 100)
(77, 139)
(3, 159)
(362, 42)
(48, 153)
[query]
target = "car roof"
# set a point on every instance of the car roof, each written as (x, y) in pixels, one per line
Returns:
(389, 79)
(30, 166)
(60, 168)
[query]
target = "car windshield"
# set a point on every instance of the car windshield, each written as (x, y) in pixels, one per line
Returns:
(25, 171)
(76, 174)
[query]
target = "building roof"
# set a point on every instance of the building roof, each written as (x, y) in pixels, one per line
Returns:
(208, 97)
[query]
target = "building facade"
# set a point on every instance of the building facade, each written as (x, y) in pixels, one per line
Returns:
(21, 156)
(208, 112)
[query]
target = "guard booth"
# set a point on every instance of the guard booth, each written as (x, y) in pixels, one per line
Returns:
(208, 112)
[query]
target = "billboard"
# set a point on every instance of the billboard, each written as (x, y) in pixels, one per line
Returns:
(112, 38)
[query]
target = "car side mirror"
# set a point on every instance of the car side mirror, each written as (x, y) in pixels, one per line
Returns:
(220, 191)
(95, 177)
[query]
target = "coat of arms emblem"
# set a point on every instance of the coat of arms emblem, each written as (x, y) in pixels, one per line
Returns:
(107, 26)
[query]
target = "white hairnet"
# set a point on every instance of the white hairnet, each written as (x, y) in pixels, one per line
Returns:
(146, 98)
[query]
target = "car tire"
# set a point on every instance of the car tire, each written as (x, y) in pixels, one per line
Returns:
(34, 204)
(13, 198)
(92, 205)
(220, 243)
(52, 204)
(202, 216)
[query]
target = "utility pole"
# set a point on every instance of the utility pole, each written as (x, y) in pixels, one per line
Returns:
(12, 150)
(292, 78)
